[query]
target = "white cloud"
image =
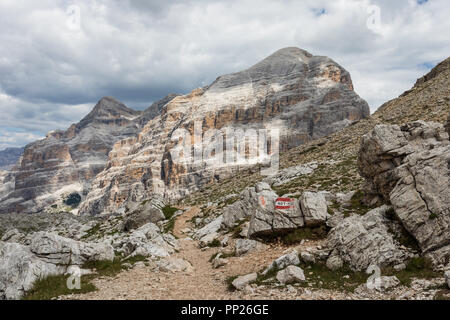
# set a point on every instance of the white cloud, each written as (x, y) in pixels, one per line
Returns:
(138, 51)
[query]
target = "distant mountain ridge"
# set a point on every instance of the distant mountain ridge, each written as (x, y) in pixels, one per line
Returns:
(9, 157)
(116, 155)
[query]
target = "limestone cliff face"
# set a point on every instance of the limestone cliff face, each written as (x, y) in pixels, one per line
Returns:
(304, 96)
(66, 161)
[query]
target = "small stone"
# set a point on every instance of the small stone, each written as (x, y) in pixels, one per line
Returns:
(447, 278)
(334, 263)
(400, 267)
(308, 257)
(241, 282)
(291, 274)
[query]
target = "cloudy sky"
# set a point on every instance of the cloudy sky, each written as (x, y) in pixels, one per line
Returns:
(58, 58)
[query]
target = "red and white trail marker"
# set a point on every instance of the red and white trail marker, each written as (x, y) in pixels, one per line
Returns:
(284, 203)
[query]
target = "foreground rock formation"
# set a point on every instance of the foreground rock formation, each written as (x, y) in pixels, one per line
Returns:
(47, 254)
(409, 167)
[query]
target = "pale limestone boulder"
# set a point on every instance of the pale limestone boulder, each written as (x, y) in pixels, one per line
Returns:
(291, 274)
(241, 282)
(361, 241)
(314, 208)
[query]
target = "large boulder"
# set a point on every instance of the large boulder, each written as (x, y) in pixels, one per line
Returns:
(147, 241)
(143, 214)
(211, 228)
(291, 274)
(289, 259)
(48, 254)
(314, 208)
(409, 167)
(361, 241)
(20, 268)
(57, 250)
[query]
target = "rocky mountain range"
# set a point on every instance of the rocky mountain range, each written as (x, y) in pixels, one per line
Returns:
(368, 213)
(126, 155)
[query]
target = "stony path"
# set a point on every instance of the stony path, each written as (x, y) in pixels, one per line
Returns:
(203, 282)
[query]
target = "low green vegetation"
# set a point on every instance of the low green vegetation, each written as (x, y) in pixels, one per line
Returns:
(214, 244)
(169, 211)
(92, 231)
(229, 283)
(343, 279)
(55, 286)
(419, 267)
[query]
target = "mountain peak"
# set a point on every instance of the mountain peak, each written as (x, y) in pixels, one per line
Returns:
(108, 108)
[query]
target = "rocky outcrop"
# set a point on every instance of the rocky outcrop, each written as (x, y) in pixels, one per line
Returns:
(143, 214)
(147, 241)
(48, 254)
(362, 241)
(291, 274)
(314, 208)
(67, 161)
(409, 167)
(304, 96)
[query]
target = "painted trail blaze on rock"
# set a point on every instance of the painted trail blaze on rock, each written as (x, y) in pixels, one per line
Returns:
(284, 203)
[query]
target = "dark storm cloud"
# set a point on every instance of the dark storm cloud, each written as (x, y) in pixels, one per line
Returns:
(52, 73)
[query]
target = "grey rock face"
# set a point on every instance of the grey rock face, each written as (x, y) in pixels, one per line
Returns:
(361, 241)
(408, 166)
(314, 208)
(290, 259)
(57, 250)
(334, 262)
(211, 228)
(142, 215)
(447, 278)
(291, 274)
(147, 241)
(48, 254)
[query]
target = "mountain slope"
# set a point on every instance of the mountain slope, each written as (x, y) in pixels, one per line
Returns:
(427, 100)
(304, 96)
(66, 161)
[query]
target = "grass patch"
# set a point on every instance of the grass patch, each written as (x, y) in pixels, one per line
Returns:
(321, 277)
(214, 244)
(169, 226)
(298, 235)
(229, 283)
(266, 278)
(169, 211)
(92, 231)
(54, 286)
(416, 268)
